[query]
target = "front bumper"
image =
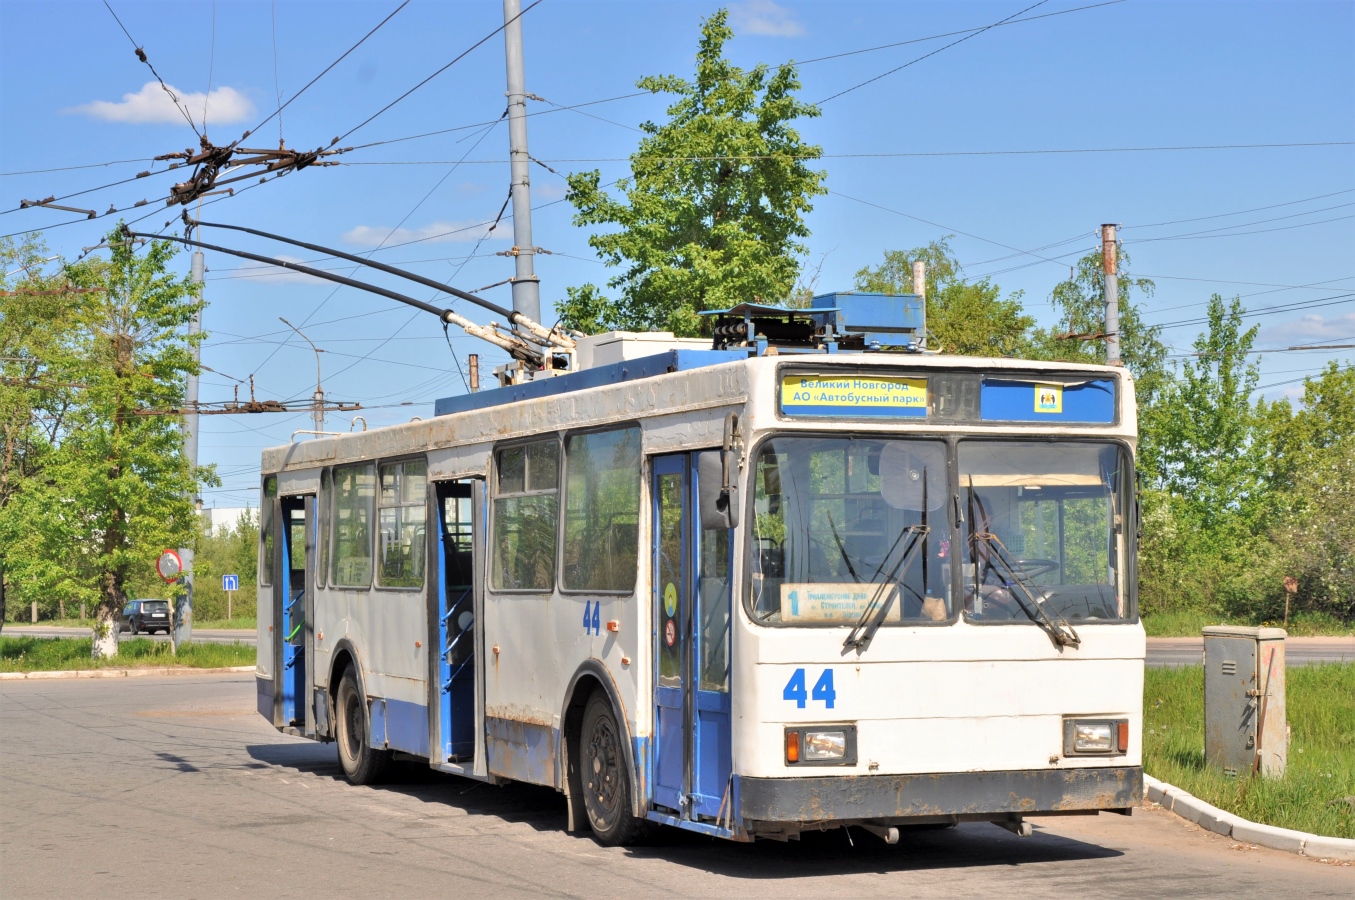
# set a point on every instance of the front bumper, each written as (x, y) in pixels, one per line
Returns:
(837, 798)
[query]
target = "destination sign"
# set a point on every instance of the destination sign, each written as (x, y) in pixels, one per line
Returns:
(828, 602)
(889, 396)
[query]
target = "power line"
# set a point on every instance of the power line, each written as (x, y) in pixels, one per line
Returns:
(279, 110)
(460, 57)
(1270, 310)
(1240, 211)
(792, 157)
(1204, 236)
(115, 162)
(945, 227)
(937, 37)
(931, 54)
(141, 55)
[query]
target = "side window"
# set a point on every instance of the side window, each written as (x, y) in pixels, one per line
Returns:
(351, 527)
(525, 513)
(403, 509)
(322, 513)
(602, 511)
(270, 491)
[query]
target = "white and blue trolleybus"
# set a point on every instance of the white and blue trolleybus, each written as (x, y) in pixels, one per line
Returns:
(784, 580)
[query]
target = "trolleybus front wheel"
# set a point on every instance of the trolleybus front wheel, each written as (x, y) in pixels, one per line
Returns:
(362, 763)
(606, 782)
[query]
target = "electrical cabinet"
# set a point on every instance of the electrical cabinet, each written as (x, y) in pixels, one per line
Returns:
(1245, 730)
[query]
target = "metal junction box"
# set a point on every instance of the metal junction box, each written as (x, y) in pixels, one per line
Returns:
(1245, 729)
(878, 320)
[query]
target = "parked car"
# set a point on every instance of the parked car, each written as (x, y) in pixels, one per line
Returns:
(145, 615)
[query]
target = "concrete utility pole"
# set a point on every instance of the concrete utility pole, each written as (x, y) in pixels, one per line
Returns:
(183, 610)
(318, 398)
(1111, 266)
(526, 288)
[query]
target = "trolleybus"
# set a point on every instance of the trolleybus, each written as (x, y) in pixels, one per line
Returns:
(743, 591)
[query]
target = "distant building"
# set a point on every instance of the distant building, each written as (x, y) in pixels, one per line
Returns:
(224, 516)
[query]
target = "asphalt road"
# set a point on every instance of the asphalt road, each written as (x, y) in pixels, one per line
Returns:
(174, 787)
(1299, 651)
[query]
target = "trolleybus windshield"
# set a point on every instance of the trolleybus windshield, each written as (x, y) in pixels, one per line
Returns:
(844, 527)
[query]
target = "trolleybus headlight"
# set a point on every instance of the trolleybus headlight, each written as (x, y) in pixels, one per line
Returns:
(821, 745)
(825, 744)
(1089, 737)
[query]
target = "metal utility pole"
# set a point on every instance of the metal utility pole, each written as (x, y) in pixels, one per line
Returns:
(183, 609)
(526, 288)
(318, 398)
(1111, 267)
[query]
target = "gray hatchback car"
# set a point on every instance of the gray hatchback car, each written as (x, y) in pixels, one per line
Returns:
(145, 615)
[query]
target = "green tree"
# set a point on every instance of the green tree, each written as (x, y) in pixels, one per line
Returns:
(1209, 448)
(37, 313)
(969, 317)
(1080, 302)
(714, 209)
(115, 488)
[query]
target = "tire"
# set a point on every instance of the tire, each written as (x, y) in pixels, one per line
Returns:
(361, 763)
(606, 777)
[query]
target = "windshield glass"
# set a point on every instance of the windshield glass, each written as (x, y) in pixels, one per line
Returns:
(1044, 519)
(843, 526)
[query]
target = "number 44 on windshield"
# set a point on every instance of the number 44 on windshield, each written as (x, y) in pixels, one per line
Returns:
(823, 689)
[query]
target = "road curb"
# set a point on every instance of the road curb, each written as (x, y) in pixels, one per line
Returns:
(1211, 818)
(123, 673)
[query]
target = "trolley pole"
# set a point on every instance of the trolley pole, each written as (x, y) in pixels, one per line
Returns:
(526, 287)
(1111, 267)
(183, 609)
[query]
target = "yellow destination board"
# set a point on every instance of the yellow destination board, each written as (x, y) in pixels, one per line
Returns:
(853, 395)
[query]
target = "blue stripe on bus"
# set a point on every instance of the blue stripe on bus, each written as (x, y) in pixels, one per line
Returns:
(1010, 400)
(399, 725)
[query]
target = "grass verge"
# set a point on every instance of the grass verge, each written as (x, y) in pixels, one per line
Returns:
(1187, 623)
(1317, 792)
(250, 623)
(30, 654)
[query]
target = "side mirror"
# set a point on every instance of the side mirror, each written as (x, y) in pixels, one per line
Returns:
(717, 480)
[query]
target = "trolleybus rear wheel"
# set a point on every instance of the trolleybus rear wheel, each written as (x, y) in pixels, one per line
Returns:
(362, 763)
(606, 783)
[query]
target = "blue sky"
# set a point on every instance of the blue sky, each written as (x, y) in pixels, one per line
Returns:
(1134, 74)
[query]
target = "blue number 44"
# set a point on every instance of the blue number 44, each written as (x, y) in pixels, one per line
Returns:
(823, 689)
(592, 617)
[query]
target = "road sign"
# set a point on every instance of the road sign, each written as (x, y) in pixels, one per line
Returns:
(230, 582)
(169, 565)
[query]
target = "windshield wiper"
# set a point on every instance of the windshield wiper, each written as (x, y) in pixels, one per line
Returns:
(1023, 589)
(872, 618)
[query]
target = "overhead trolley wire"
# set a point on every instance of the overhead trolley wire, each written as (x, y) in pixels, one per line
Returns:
(341, 58)
(456, 60)
(931, 54)
(141, 55)
(1240, 211)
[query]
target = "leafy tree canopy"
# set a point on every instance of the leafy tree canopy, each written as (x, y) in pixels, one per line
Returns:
(714, 209)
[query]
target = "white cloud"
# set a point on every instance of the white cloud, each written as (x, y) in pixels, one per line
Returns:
(152, 105)
(1310, 329)
(433, 233)
(766, 18)
(549, 190)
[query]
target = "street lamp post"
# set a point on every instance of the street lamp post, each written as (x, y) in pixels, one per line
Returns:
(318, 397)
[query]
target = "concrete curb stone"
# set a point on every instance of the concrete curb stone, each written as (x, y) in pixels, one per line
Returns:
(1329, 848)
(123, 673)
(1211, 818)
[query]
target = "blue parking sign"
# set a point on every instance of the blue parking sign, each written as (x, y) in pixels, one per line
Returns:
(230, 582)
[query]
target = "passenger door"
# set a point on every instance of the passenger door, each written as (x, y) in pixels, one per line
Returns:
(455, 606)
(293, 609)
(692, 759)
